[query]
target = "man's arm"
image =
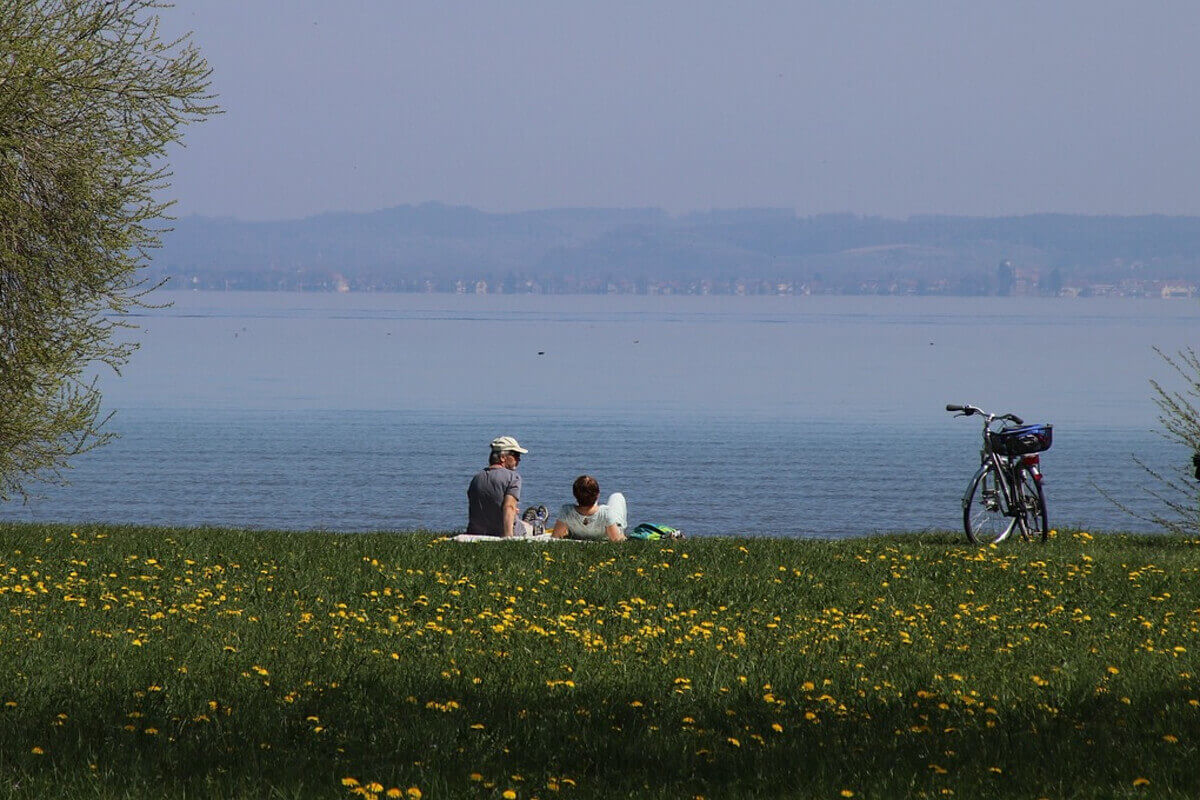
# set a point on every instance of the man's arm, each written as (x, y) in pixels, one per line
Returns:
(510, 515)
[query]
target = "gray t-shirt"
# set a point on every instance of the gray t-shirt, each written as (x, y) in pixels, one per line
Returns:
(485, 500)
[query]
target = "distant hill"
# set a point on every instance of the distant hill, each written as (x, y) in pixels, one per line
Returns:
(433, 247)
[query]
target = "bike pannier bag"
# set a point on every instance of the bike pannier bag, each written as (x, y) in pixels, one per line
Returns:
(1023, 440)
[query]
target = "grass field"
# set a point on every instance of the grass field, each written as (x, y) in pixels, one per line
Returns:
(214, 663)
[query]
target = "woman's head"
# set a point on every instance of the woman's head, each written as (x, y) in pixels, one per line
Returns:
(586, 490)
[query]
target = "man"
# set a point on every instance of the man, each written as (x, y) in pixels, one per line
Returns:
(495, 492)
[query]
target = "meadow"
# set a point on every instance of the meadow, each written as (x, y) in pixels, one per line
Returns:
(144, 662)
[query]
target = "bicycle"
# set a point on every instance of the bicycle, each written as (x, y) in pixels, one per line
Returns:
(1005, 494)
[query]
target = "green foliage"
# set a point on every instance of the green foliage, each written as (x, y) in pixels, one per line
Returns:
(1177, 491)
(90, 98)
(213, 663)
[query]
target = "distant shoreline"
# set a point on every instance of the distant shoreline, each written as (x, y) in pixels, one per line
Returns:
(439, 248)
(1182, 292)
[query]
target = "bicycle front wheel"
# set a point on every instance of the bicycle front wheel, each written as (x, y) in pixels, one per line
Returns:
(986, 518)
(1033, 507)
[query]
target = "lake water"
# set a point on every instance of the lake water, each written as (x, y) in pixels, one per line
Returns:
(791, 416)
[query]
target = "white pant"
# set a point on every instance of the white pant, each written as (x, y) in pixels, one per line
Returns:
(618, 509)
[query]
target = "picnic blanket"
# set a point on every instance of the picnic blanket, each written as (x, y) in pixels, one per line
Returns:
(472, 537)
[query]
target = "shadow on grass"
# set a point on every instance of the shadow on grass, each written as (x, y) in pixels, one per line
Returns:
(665, 743)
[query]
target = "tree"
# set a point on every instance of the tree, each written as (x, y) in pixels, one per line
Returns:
(1175, 492)
(1179, 416)
(90, 98)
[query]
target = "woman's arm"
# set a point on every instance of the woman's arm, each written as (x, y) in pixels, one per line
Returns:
(614, 533)
(560, 530)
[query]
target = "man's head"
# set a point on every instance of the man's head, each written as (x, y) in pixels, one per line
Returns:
(506, 451)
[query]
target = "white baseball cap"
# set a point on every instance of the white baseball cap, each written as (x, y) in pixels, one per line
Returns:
(502, 443)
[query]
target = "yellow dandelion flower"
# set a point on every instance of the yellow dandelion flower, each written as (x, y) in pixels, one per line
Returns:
(413, 793)
(775, 726)
(37, 751)
(1113, 670)
(394, 792)
(374, 787)
(475, 776)
(509, 794)
(847, 793)
(1171, 738)
(1141, 781)
(734, 742)
(349, 782)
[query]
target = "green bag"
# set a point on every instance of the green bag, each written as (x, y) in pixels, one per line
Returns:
(651, 532)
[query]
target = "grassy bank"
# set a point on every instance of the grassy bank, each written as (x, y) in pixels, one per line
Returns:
(226, 663)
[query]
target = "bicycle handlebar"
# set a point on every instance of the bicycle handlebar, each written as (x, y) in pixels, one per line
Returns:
(967, 411)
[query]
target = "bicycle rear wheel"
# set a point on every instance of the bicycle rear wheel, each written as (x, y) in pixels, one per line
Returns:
(1033, 507)
(985, 509)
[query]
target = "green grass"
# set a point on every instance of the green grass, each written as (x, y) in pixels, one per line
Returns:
(215, 663)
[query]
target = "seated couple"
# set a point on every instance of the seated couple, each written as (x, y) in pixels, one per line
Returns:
(495, 492)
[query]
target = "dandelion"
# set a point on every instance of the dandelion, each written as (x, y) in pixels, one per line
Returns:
(509, 794)
(734, 742)
(37, 751)
(1141, 781)
(349, 782)
(394, 792)
(374, 787)
(847, 793)
(413, 793)
(1170, 738)
(475, 776)
(775, 726)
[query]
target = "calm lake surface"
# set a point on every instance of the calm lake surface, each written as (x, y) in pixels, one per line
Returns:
(792, 416)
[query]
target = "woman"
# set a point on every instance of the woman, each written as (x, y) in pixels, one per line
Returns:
(586, 519)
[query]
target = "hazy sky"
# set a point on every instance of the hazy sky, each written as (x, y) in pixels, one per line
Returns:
(890, 108)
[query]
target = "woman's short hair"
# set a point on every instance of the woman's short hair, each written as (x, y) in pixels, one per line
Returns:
(586, 490)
